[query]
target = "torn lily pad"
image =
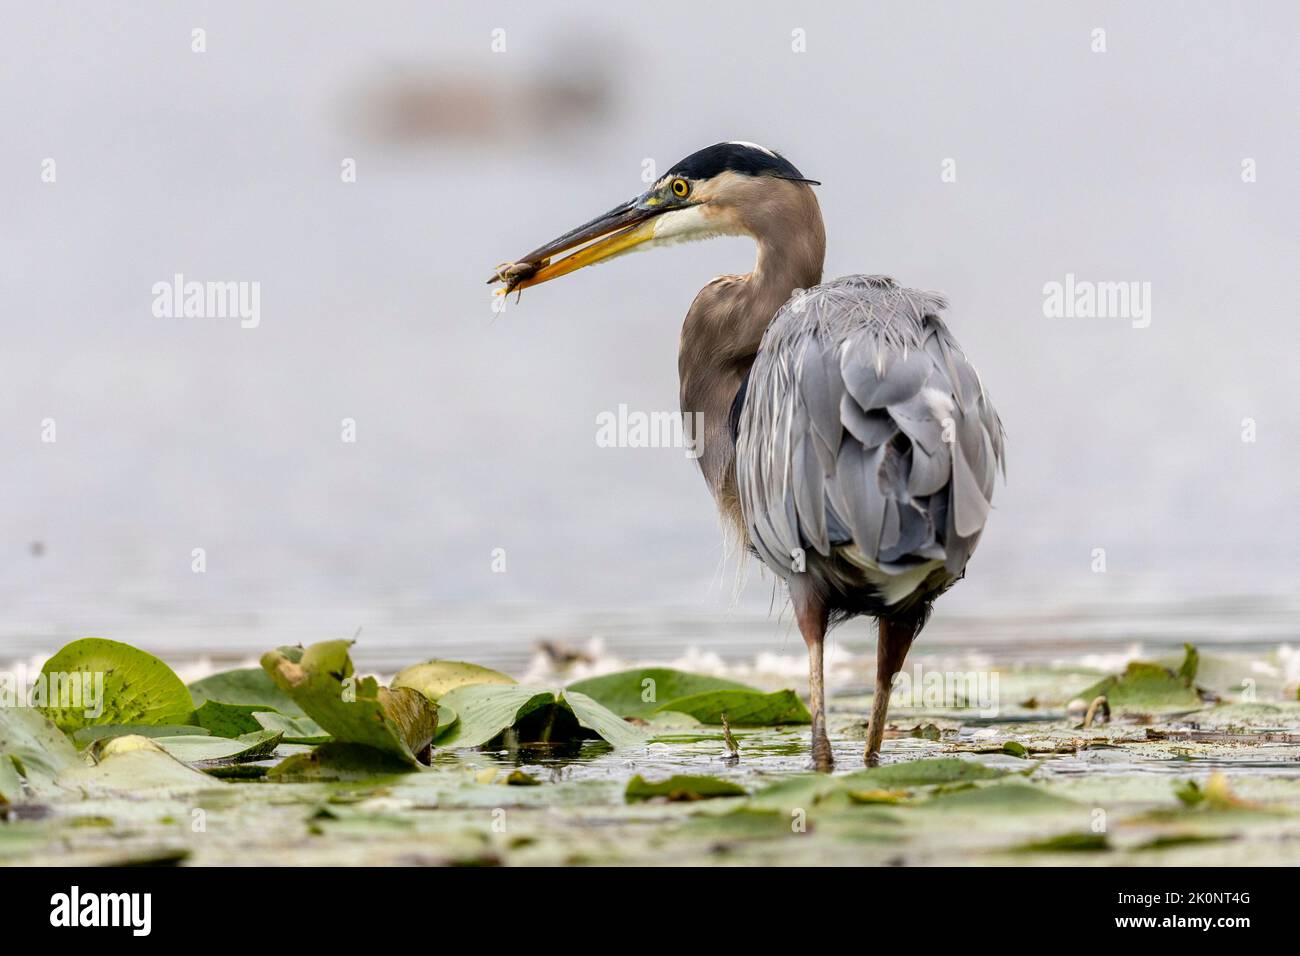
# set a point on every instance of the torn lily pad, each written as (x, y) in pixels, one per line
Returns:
(359, 710)
(97, 681)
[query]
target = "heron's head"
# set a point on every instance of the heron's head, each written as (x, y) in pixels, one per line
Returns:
(724, 190)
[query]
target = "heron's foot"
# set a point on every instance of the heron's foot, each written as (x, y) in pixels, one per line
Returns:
(823, 761)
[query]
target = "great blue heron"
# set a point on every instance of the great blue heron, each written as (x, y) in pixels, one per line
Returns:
(843, 433)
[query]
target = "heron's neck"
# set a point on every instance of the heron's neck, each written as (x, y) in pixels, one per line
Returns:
(726, 322)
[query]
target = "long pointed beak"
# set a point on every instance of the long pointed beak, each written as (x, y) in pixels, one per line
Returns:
(622, 228)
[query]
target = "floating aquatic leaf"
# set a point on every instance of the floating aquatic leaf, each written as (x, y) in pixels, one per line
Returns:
(1082, 842)
(681, 787)
(435, 678)
(744, 708)
(401, 722)
(1145, 687)
(135, 764)
(644, 691)
(294, 730)
(923, 773)
(33, 752)
(247, 685)
(1215, 795)
(210, 750)
(88, 735)
(486, 710)
(1167, 840)
(447, 718)
(1003, 798)
(338, 762)
(611, 727)
(877, 796)
(228, 720)
(97, 681)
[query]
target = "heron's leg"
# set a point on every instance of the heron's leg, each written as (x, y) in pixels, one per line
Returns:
(894, 640)
(812, 614)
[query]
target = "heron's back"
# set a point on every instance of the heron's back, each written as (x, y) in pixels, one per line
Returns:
(866, 447)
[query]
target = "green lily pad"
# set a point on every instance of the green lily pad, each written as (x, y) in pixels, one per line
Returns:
(33, 752)
(207, 750)
(246, 685)
(486, 710)
(611, 727)
(338, 762)
(447, 718)
(644, 691)
(1082, 842)
(228, 720)
(938, 771)
(1145, 687)
(813, 788)
(680, 787)
(744, 708)
(1004, 799)
(435, 678)
(136, 687)
(132, 765)
(294, 730)
(88, 735)
(401, 722)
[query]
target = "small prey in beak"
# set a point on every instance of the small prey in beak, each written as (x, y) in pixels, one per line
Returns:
(620, 230)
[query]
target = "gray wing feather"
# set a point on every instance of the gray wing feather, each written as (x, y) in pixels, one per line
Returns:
(866, 428)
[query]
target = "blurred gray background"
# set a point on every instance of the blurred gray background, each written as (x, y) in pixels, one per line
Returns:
(476, 431)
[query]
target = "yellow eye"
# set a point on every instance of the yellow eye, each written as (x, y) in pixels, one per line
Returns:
(681, 188)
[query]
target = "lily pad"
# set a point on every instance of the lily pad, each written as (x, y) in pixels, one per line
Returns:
(1079, 842)
(401, 722)
(939, 771)
(435, 678)
(208, 750)
(647, 690)
(88, 735)
(1145, 687)
(744, 708)
(246, 685)
(680, 787)
(33, 752)
(228, 720)
(611, 727)
(338, 762)
(294, 730)
(134, 764)
(97, 681)
(486, 710)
